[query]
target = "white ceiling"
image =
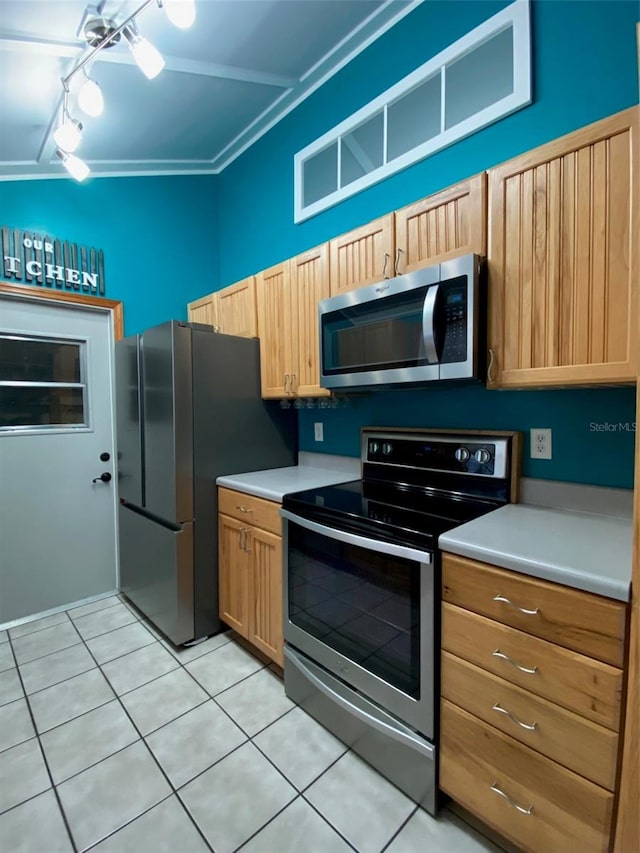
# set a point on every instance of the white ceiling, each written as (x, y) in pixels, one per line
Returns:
(242, 66)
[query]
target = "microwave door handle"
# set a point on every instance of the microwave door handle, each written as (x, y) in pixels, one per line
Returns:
(429, 324)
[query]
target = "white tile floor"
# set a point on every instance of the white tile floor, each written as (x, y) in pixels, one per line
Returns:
(113, 740)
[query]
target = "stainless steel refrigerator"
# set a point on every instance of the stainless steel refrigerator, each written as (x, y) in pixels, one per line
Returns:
(188, 409)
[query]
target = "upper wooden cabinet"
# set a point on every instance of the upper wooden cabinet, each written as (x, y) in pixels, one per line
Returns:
(236, 309)
(450, 223)
(309, 284)
(203, 311)
(563, 259)
(278, 346)
(287, 297)
(362, 256)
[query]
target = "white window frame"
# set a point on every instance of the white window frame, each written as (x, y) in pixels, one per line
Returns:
(49, 429)
(517, 16)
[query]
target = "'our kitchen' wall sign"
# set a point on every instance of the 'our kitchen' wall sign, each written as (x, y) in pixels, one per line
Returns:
(43, 260)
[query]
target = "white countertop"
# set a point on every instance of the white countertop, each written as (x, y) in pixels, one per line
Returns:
(314, 471)
(580, 549)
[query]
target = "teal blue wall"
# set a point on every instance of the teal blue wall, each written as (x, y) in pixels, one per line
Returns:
(584, 68)
(593, 430)
(170, 240)
(158, 235)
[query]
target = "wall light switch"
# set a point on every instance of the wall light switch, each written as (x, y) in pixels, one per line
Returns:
(318, 432)
(540, 444)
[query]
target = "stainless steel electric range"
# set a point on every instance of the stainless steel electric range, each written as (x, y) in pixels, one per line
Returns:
(362, 590)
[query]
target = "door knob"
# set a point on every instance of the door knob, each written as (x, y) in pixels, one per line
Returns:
(105, 477)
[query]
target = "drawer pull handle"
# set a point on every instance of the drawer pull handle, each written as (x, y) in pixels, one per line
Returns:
(530, 670)
(504, 600)
(529, 727)
(243, 508)
(513, 804)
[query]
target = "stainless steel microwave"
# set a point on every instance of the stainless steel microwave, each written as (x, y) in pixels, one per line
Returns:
(428, 325)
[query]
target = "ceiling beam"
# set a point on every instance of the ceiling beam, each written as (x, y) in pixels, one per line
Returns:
(20, 43)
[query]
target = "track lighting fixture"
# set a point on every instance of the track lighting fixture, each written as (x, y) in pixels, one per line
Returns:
(101, 34)
(76, 167)
(90, 98)
(148, 57)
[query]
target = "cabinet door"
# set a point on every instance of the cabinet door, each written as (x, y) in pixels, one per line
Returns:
(203, 311)
(563, 259)
(233, 574)
(237, 309)
(265, 557)
(363, 256)
(450, 223)
(309, 284)
(278, 344)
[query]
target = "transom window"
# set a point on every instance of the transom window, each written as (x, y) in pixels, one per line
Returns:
(42, 383)
(477, 80)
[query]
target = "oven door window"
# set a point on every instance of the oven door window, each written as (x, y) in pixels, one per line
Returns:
(362, 604)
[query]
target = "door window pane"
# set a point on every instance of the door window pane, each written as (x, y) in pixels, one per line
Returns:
(42, 383)
(479, 78)
(414, 118)
(37, 405)
(361, 151)
(33, 360)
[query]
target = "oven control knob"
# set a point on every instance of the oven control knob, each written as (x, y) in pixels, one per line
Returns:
(482, 455)
(374, 447)
(387, 448)
(462, 454)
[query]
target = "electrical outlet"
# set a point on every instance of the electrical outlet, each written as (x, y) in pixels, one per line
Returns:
(540, 444)
(318, 432)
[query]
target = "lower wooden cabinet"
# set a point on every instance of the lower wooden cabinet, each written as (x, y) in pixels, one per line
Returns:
(532, 801)
(250, 570)
(530, 715)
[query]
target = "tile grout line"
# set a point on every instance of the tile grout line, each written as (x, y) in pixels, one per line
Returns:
(155, 760)
(37, 630)
(250, 739)
(299, 793)
(44, 759)
(399, 829)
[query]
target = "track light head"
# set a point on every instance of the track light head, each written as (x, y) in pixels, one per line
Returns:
(90, 98)
(148, 57)
(181, 13)
(76, 167)
(68, 134)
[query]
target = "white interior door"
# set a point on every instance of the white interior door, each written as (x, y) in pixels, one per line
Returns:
(57, 526)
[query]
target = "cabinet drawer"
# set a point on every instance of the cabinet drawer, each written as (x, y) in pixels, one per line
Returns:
(581, 684)
(581, 621)
(566, 811)
(253, 511)
(576, 743)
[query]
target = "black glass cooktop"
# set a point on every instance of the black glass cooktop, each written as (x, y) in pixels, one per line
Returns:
(401, 514)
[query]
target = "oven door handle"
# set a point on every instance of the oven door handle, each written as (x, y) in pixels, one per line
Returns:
(361, 541)
(404, 737)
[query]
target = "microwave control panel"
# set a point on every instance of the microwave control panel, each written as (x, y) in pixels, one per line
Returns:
(454, 321)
